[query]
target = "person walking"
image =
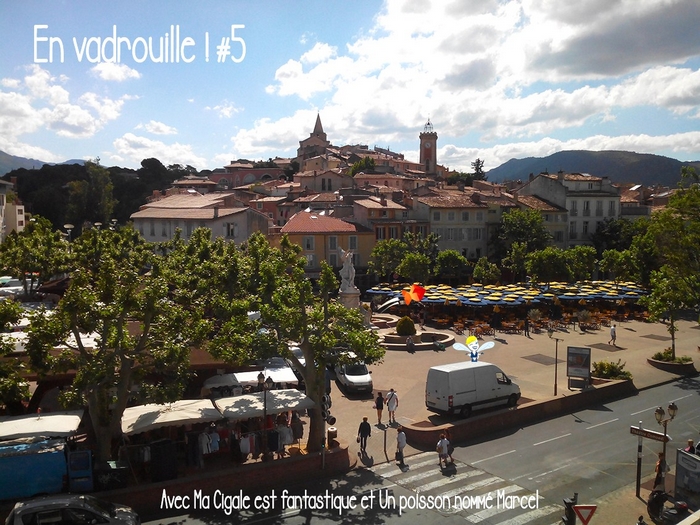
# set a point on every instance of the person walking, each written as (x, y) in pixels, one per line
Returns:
(379, 405)
(392, 403)
(526, 326)
(450, 447)
(400, 445)
(363, 433)
(689, 448)
(442, 448)
(613, 335)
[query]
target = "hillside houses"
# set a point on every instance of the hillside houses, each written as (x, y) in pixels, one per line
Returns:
(325, 208)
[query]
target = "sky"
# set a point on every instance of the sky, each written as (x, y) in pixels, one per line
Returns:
(203, 83)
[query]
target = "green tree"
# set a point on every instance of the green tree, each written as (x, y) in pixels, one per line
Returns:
(581, 261)
(415, 267)
(35, 254)
(478, 167)
(548, 265)
(427, 246)
(622, 265)
(522, 226)
(365, 165)
(386, 257)
(486, 272)
(515, 260)
(91, 199)
(13, 387)
(617, 234)
(123, 298)
(452, 265)
(671, 292)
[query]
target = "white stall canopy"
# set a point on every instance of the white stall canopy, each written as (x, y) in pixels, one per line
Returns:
(143, 418)
(53, 424)
(278, 375)
(253, 405)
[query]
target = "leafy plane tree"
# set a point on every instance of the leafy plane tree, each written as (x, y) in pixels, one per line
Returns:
(120, 324)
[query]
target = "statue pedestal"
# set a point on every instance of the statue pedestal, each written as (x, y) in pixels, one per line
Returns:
(349, 297)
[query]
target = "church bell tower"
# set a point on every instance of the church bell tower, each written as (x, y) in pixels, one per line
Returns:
(428, 148)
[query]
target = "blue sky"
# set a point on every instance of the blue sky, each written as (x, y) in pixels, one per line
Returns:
(499, 79)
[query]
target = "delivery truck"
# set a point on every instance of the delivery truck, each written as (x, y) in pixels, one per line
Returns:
(31, 468)
(459, 388)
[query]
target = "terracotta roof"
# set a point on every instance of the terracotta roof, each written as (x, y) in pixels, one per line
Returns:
(314, 222)
(203, 214)
(189, 200)
(451, 199)
(537, 203)
(376, 203)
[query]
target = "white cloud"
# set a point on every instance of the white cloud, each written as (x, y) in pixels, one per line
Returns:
(225, 109)
(130, 147)
(12, 83)
(114, 72)
(158, 128)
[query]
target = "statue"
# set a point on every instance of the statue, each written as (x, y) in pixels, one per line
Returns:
(347, 272)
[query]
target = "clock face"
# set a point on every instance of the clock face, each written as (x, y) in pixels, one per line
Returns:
(427, 145)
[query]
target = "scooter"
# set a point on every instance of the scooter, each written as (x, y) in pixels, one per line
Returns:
(662, 515)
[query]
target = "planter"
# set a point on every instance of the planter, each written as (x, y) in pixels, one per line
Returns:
(681, 369)
(401, 339)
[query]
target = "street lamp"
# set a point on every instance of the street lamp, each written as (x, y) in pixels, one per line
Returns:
(264, 385)
(69, 228)
(661, 419)
(550, 332)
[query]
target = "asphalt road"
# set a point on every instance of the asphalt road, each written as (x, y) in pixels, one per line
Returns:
(590, 452)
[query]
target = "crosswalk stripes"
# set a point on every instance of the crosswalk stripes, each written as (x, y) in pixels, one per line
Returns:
(467, 488)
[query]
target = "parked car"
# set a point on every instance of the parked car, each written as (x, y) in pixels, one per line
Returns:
(70, 508)
(12, 287)
(354, 377)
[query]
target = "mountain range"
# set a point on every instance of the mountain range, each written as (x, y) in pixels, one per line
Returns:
(618, 166)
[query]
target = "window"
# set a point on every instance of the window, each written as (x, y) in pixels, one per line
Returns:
(20, 211)
(310, 259)
(450, 234)
(559, 236)
(436, 215)
(574, 208)
(379, 233)
(465, 216)
(478, 234)
(384, 213)
(330, 184)
(333, 260)
(422, 230)
(393, 232)
(189, 228)
(450, 216)
(352, 240)
(323, 184)
(586, 208)
(164, 229)
(332, 242)
(611, 209)
(590, 185)
(546, 217)
(585, 227)
(479, 216)
(258, 205)
(404, 215)
(599, 208)
(572, 229)
(231, 230)
(309, 243)
(152, 227)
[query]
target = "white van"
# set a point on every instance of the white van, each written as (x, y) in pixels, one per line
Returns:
(461, 387)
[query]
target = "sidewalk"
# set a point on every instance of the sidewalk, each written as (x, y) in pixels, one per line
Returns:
(529, 362)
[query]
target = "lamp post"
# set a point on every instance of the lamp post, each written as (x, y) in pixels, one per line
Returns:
(550, 332)
(264, 385)
(661, 419)
(69, 228)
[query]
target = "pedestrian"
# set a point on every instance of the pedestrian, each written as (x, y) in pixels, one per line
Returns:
(400, 445)
(640, 521)
(410, 345)
(442, 448)
(379, 405)
(526, 326)
(392, 403)
(660, 469)
(363, 433)
(613, 335)
(690, 447)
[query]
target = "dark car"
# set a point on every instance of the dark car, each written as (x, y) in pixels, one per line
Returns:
(76, 509)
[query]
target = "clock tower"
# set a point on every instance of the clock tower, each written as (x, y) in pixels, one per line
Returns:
(428, 148)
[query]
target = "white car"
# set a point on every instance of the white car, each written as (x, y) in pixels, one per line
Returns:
(12, 287)
(71, 508)
(354, 377)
